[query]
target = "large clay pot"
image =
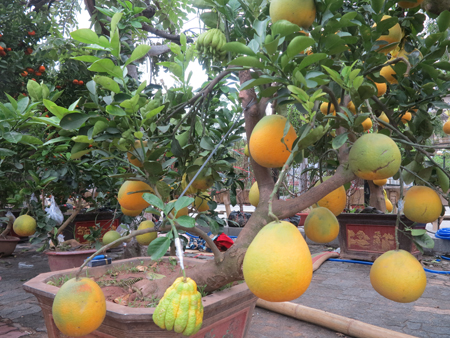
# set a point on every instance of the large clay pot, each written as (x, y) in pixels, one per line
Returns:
(8, 245)
(61, 260)
(227, 313)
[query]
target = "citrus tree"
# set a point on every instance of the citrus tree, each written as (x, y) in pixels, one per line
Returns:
(356, 84)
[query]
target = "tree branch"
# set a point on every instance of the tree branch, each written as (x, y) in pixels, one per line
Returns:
(163, 34)
(71, 217)
(8, 227)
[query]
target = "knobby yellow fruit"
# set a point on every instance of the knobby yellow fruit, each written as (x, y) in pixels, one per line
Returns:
(253, 194)
(181, 308)
(277, 266)
(321, 226)
(422, 204)
(298, 12)
(147, 238)
(335, 201)
(398, 276)
(24, 226)
(394, 36)
(110, 237)
(79, 307)
(374, 156)
(265, 144)
(388, 73)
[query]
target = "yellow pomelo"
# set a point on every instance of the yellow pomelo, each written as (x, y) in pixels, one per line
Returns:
(131, 213)
(146, 239)
(394, 36)
(407, 4)
(381, 88)
(201, 202)
(367, 124)
(191, 190)
(374, 157)
(388, 73)
(136, 153)
(324, 108)
(380, 183)
(111, 236)
(253, 194)
(182, 212)
(446, 127)
(389, 206)
(24, 226)
(398, 276)
(422, 204)
(298, 12)
(204, 180)
(321, 226)
(130, 195)
(265, 142)
(277, 266)
(335, 201)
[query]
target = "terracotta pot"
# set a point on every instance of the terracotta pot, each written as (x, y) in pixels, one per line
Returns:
(303, 216)
(8, 245)
(367, 236)
(226, 313)
(61, 260)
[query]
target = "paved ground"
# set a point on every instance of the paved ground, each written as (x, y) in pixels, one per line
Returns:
(340, 288)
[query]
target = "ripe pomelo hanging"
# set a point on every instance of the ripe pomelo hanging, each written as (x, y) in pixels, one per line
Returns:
(277, 266)
(335, 201)
(201, 202)
(253, 195)
(380, 183)
(24, 226)
(321, 226)
(446, 127)
(147, 238)
(182, 212)
(265, 143)
(111, 236)
(131, 213)
(79, 307)
(398, 276)
(394, 36)
(298, 12)
(374, 156)
(130, 200)
(137, 150)
(422, 204)
(204, 180)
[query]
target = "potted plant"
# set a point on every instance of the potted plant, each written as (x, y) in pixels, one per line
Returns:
(179, 138)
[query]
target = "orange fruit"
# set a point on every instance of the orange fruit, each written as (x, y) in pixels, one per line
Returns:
(407, 4)
(24, 226)
(397, 275)
(394, 36)
(321, 225)
(277, 266)
(253, 195)
(130, 200)
(381, 87)
(204, 180)
(147, 238)
(298, 12)
(111, 236)
(367, 124)
(79, 307)
(265, 142)
(380, 183)
(422, 204)
(446, 127)
(135, 153)
(374, 156)
(335, 201)
(182, 212)
(324, 108)
(201, 202)
(406, 117)
(388, 73)
(131, 213)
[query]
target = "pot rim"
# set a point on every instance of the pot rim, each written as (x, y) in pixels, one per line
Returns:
(70, 253)
(10, 239)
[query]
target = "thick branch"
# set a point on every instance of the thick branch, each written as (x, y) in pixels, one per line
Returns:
(8, 227)
(71, 218)
(163, 34)
(376, 197)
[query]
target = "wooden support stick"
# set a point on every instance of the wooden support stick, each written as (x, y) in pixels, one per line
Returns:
(345, 325)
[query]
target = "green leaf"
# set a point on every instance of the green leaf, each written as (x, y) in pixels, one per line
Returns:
(106, 66)
(139, 52)
(163, 189)
(443, 180)
(424, 241)
(6, 152)
(73, 121)
(299, 44)
(257, 82)
(210, 19)
(339, 141)
(99, 126)
(58, 139)
(85, 35)
(79, 154)
(377, 5)
(86, 58)
(12, 136)
(418, 232)
(11, 100)
(116, 111)
(153, 200)
(108, 83)
(115, 20)
(183, 202)
(158, 247)
(154, 276)
(310, 59)
(443, 21)
(34, 90)
(238, 48)
(56, 110)
(185, 221)
(28, 139)
(284, 28)
(206, 143)
(247, 61)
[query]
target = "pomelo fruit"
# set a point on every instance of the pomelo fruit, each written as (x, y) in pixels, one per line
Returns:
(380, 183)
(131, 213)
(135, 153)
(277, 266)
(321, 225)
(201, 202)
(24, 226)
(422, 204)
(111, 236)
(335, 201)
(394, 36)
(130, 200)
(204, 180)
(298, 12)
(147, 238)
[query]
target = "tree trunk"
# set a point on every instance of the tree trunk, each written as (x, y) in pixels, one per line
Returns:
(376, 197)
(436, 6)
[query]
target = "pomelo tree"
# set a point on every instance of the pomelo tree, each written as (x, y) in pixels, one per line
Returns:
(365, 59)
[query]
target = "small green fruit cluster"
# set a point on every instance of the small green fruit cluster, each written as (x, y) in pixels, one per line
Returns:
(210, 44)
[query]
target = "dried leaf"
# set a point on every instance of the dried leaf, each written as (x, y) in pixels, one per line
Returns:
(122, 300)
(153, 276)
(141, 268)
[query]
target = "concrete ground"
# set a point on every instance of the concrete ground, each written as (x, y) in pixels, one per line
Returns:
(340, 288)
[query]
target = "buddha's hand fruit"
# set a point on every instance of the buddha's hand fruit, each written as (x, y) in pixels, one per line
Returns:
(181, 308)
(211, 42)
